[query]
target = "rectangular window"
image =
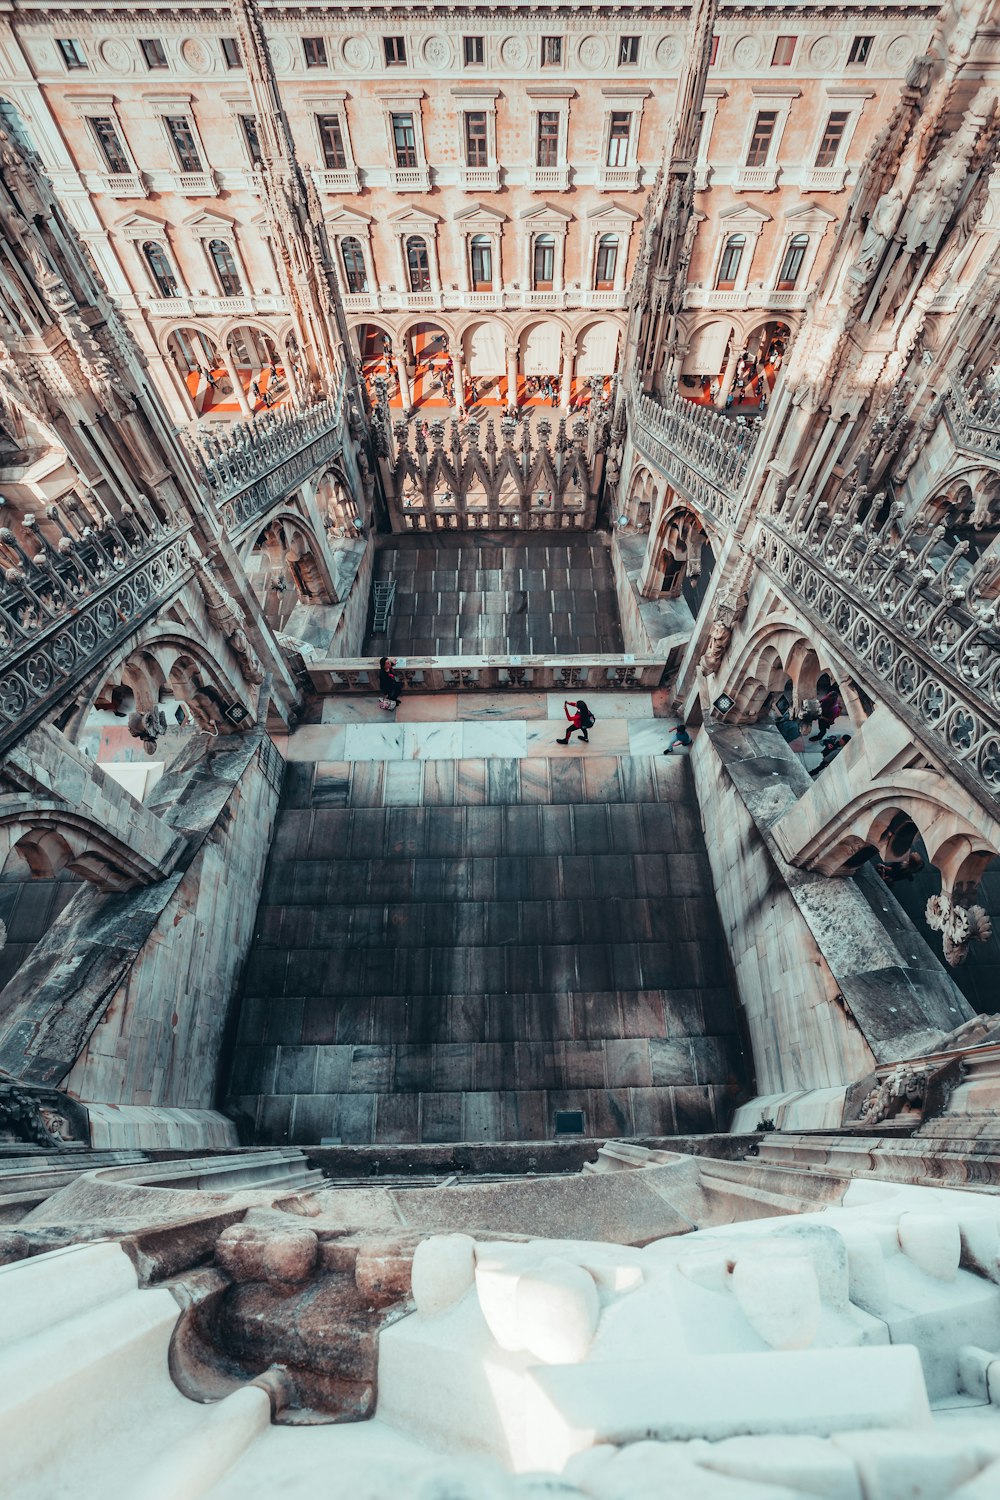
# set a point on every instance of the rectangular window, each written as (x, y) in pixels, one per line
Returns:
(314, 51)
(760, 141)
(182, 140)
(72, 53)
(153, 53)
(473, 51)
(548, 138)
(331, 141)
(784, 51)
(551, 51)
(628, 51)
(833, 135)
(860, 48)
(110, 145)
(476, 144)
(249, 126)
(231, 52)
(404, 140)
(482, 264)
(395, 51)
(713, 54)
(618, 138)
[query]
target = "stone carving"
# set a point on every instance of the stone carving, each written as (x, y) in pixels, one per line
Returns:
(226, 616)
(358, 52)
(514, 52)
(147, 728)
(958, 925)
(437, 51)
(905, 1088)
(823, 52)
(117, 56)
(881, 225)
(39, 1117)
(746, 52)
(899, 51)
(593, 52)
(730, 610)
(196, 55)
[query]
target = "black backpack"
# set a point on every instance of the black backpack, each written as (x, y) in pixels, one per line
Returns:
(587, 720)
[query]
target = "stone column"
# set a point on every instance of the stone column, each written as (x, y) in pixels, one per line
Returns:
(234, 376)
(566, 383)
(728, 376)
(511, 375)
(404, 381)
(458, 374)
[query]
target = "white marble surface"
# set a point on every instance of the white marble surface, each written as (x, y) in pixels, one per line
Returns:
(649, 737)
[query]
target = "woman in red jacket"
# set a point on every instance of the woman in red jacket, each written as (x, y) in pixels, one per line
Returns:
(581, 720)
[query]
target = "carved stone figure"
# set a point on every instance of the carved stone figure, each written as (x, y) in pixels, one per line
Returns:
(958, 925)
(881, 225)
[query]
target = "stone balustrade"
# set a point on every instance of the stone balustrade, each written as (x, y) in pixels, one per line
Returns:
(973, 415)
(252, 464)
(923, 636)
(448, 674)
(66, 607)
(702, 453)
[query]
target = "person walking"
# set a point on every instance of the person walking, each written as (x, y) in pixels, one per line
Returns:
(681, 737)
(830, 709)
(388, 684)
(581, 719)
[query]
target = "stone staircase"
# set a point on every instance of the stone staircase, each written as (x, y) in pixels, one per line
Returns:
(530, 947)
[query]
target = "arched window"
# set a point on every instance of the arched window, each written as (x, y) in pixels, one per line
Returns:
(160, 269)
(543, 262)
(355, 275)
(607, 261)
(418, 266)
(12, 123)
(481, 253)
(225, 268)
(792, 263)
(729, 265)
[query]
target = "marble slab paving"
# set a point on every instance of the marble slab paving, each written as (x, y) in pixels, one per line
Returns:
(603, 704)
(609, 738)
(433, 741)
(649, 737)
(504, 737)
(466, 740)
(372, 742)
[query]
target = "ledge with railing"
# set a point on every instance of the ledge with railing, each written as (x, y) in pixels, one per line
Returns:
(972, 412)
(703, 453)
(250, 465)
(447, 674)
(912, 621)
(67, 606)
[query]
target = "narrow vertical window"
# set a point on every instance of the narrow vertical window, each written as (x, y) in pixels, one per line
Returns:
(182, 139)
(760, 140)
(160, 269)
(607, 263)
(404, 140)
(72, 53)
(792, 263)
(543, 262)
(473, 51)
(476, 143)
(331, 142)
(481, 252)
(395, 51)
(418, 267)
(355, 275)
(784, 51)
(618, 138)
(248, 124)
(832, 139)
(551, 51)
(231, 52)
(314, 51)
(225, 268)
(861, 46)
(729, 265)
(110, 146)
(153, 53)
(628, 51)
(548, 138)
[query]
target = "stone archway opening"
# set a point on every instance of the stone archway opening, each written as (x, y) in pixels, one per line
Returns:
(255, 358)
(430, 367)
(201, 369)
(284, 570)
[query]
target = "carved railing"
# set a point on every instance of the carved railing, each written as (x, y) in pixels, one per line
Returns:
(445, 674)
(907, 625)
(65, 609)
(704, 454)
(973, 415)
(253, 464)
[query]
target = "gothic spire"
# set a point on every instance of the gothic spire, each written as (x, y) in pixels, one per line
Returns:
(299, 237)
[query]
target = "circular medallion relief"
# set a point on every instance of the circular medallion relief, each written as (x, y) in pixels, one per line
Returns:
(746, 52)
(900, 52)
(514, 52)
(437, 51)
(281, 54)
(823, 52)
(358, 53)
(117, 56)
(196, 55)
(593, 52)
(668, 53)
